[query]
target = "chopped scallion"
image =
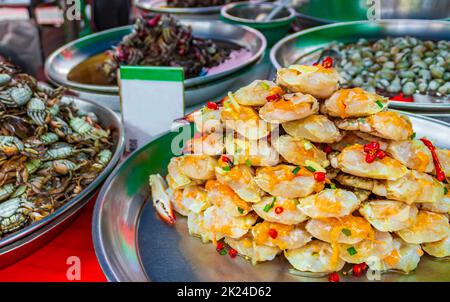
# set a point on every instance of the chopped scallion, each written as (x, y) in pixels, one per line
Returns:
(352, 251)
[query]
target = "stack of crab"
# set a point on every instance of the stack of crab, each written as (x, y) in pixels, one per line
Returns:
(49, 150)
(336, 178)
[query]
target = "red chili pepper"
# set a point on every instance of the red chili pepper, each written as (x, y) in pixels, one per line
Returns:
(228, 161)
(233, 253)
(363, 265)
(357, 270)
(370, 158)
(380, 154)
(273, 233)
(333, 277)
(273, 97)
(320, 176)
(372, 146)
(154, 21)
(279, 210)
(219, 246)
(328, 62)
(440, 175)
(212, 106)
(315, 64)
(327, 149)
(401, 98)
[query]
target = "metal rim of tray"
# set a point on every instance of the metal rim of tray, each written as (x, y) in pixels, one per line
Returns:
(117, 274)
(87, 192)
(61, 78)
(394, 104)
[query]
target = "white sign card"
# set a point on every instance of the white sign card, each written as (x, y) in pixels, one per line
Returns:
(151, 99)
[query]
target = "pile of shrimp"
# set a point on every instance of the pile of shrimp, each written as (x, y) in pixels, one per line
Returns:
(338, 178)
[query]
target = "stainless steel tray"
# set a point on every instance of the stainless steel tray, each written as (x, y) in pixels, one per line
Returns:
(306, 45)
(133, 244)
(26, 240)
(63, 60)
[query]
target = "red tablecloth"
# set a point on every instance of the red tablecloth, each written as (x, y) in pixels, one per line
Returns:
(49, 263)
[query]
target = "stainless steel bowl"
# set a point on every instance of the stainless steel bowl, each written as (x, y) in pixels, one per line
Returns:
(197, 13)
(305, 46)
(133, 244)
(318, 12)
(63, 60)
(30, 238)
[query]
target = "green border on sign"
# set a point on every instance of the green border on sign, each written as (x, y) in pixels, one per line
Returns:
(152, 73)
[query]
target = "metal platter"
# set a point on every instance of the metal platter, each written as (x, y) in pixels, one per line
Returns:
(306, 46)
(133, 244)
(312, 12)
(61, 62)
(28, 239)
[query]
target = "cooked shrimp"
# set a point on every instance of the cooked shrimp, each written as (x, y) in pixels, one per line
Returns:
(444, 158)
(389, 215)
(208, 120)
(196, 226)
(280, 235)
(244, 120)
(352, 160)
(316, 80)
(350, 138)
(317, 257)
(329, 203)
(414, 187)
(388, 124)
(256, 93)
(279, 209)
(347, 229)
(428, 227)
(176, 198)
(226, 199)
(298, 151)
(251, 152)
(379, 247)
(241, 180)
(316, 128)
(353, 103)
(219, 222)
(247, 247)
(413, 154)
(290, 107)
(287, 181)
(194, 198)
(442, 207)
(355, 181)
(209, 144)
(404, 257)
(192, 166)
(439, 248)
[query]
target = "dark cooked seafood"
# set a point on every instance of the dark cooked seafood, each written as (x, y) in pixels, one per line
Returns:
(49, 150)
(395, 65)
(163, 41)
(198, 3)
(349, 185)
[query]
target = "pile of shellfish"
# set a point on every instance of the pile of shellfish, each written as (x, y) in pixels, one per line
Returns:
(322, 175)
(163, 41)
(49, 149)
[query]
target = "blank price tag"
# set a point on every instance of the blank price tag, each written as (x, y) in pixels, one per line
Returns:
(151, 99)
